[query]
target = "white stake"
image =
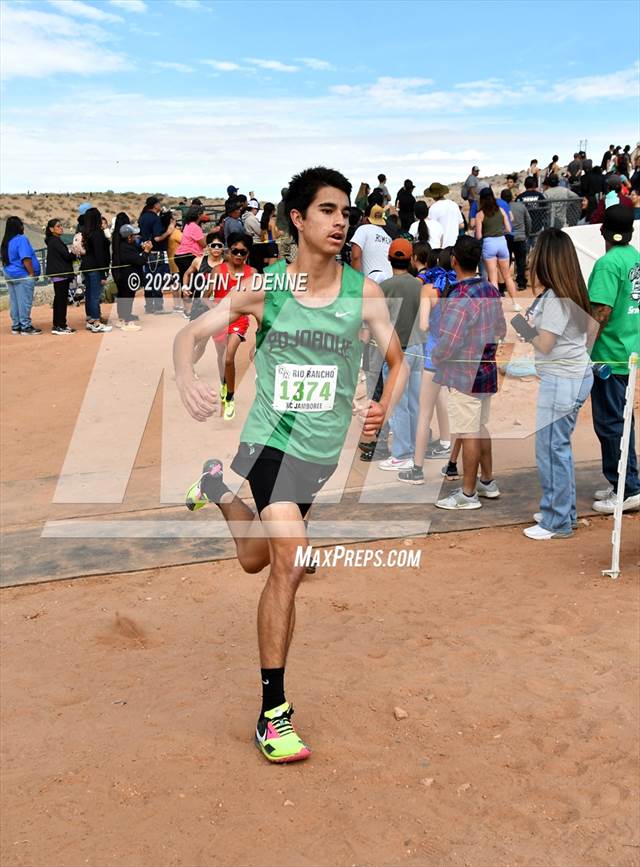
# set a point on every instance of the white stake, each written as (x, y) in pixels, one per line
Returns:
(614, 572)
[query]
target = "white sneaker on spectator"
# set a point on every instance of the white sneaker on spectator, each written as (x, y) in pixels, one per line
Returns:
(604, 493)
(458, 500)
(395, 464)
(537, 517)
(607, 507)
(490, 490)
(539, 534)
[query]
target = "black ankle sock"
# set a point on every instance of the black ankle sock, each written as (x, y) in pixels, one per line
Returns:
(230, 395)
(486, 481)
(213, 487)
(272, 688)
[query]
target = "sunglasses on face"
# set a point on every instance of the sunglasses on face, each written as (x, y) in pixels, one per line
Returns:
(216, 246)
(238, 251)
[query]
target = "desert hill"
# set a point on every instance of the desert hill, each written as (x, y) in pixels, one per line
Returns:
(36, 209)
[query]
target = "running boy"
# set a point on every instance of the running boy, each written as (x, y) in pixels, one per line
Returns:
(307, 361)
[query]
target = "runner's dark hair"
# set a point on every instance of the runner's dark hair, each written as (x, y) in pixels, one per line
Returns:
(304, 188)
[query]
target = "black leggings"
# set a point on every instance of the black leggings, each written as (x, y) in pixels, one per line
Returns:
(60, 301)
(183, 261)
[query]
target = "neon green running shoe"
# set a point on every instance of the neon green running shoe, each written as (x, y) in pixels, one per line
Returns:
(211, 477)
(229, 410)
(276, 737)
(223, 392)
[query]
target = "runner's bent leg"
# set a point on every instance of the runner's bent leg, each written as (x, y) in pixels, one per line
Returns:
(251, 545)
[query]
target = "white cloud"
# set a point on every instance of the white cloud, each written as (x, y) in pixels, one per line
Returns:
(344, 89)
(424, 134)
(130, 5)
(83, 10)
(433, 154)
(412, 94)
(275, 65)
(222, 65)
(174, 66)
(195, 5)
(625, 82)
(53, 44)
(480, 84)
(315, 63)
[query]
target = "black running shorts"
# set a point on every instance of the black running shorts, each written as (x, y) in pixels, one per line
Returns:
(275, 477)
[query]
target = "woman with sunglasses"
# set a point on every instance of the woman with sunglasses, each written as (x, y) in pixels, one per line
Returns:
(228, 274)
(195, 280)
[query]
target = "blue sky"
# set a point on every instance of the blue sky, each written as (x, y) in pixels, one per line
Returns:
(185, 97)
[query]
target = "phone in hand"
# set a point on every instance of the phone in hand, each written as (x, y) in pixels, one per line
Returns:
(528, 332)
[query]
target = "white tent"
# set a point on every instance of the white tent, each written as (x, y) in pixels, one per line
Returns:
(589, 244)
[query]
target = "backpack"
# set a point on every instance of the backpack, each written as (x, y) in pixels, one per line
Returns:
(464, 192)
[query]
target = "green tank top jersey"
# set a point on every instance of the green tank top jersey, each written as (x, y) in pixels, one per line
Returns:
(307, 361)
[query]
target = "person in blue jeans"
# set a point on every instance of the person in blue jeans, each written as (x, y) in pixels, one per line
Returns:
(403, 292)
(95, 264)
(20, 266)
(561, 329)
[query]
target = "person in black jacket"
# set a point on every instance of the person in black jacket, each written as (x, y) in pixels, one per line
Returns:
(94, 264)
(593, 186)
(405, 203)
(128, 272)
(60, 269)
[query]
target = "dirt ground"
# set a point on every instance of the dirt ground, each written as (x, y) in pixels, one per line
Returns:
(128, 702)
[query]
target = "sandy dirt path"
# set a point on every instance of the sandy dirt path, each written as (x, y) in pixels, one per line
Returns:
(128, 705)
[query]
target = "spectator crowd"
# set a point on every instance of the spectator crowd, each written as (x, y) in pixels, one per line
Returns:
(442, 268)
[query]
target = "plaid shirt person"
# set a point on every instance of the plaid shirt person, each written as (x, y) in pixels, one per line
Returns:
(472, 322)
